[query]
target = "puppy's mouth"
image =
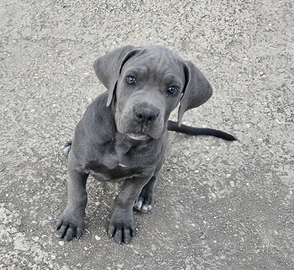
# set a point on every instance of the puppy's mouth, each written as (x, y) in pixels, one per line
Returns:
(138, 136)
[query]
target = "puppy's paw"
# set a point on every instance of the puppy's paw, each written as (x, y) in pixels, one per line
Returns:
(122, 229)
(70, 226)
(66, 148)
(144, 201)
(143, 204)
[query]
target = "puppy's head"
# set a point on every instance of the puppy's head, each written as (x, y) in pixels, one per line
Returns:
(145, 84)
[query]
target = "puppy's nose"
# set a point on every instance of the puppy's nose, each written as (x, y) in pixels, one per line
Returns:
(145, 115)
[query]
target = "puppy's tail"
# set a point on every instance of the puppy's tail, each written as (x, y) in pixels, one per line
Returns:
(173, 126)
(66, 148)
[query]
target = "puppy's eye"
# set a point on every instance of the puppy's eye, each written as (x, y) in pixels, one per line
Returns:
(131, 80)
(172, 90)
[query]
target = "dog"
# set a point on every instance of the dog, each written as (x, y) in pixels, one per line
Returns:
(123, 133)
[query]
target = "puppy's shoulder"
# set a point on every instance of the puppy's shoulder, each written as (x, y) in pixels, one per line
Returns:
(98, 118)
(97, 110)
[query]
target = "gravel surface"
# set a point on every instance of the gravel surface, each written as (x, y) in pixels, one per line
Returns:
(218, 205)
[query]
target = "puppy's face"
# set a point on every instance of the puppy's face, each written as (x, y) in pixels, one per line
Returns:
(148, 89)
(145, 84)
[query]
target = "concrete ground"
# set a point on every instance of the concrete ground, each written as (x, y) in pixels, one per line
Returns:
(218, 205)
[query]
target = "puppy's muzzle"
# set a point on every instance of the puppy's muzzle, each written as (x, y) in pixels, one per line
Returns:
(145, 115)
(145, 122)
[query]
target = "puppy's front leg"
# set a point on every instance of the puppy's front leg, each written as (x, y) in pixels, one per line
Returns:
(122, 226)
(71, 222)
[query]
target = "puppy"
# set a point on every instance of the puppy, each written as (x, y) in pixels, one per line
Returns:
(123, 133)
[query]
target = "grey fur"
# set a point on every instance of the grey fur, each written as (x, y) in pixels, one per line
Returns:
(123, 133)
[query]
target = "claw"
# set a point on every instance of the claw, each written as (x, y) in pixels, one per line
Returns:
(122, 231)
(138, 205)
(69, 228)
(142, 205)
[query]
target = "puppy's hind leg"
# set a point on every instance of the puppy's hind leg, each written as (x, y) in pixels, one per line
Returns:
(66, 148)
(144, 201)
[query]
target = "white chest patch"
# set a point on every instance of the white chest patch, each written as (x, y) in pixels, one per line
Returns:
(122, 165)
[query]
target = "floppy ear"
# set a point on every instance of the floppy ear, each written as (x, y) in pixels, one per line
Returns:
(108, 68)
(197, 90)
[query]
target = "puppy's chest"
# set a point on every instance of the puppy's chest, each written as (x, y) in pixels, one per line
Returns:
(120, 165)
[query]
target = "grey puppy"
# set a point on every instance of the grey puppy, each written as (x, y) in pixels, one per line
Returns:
(123, 133)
